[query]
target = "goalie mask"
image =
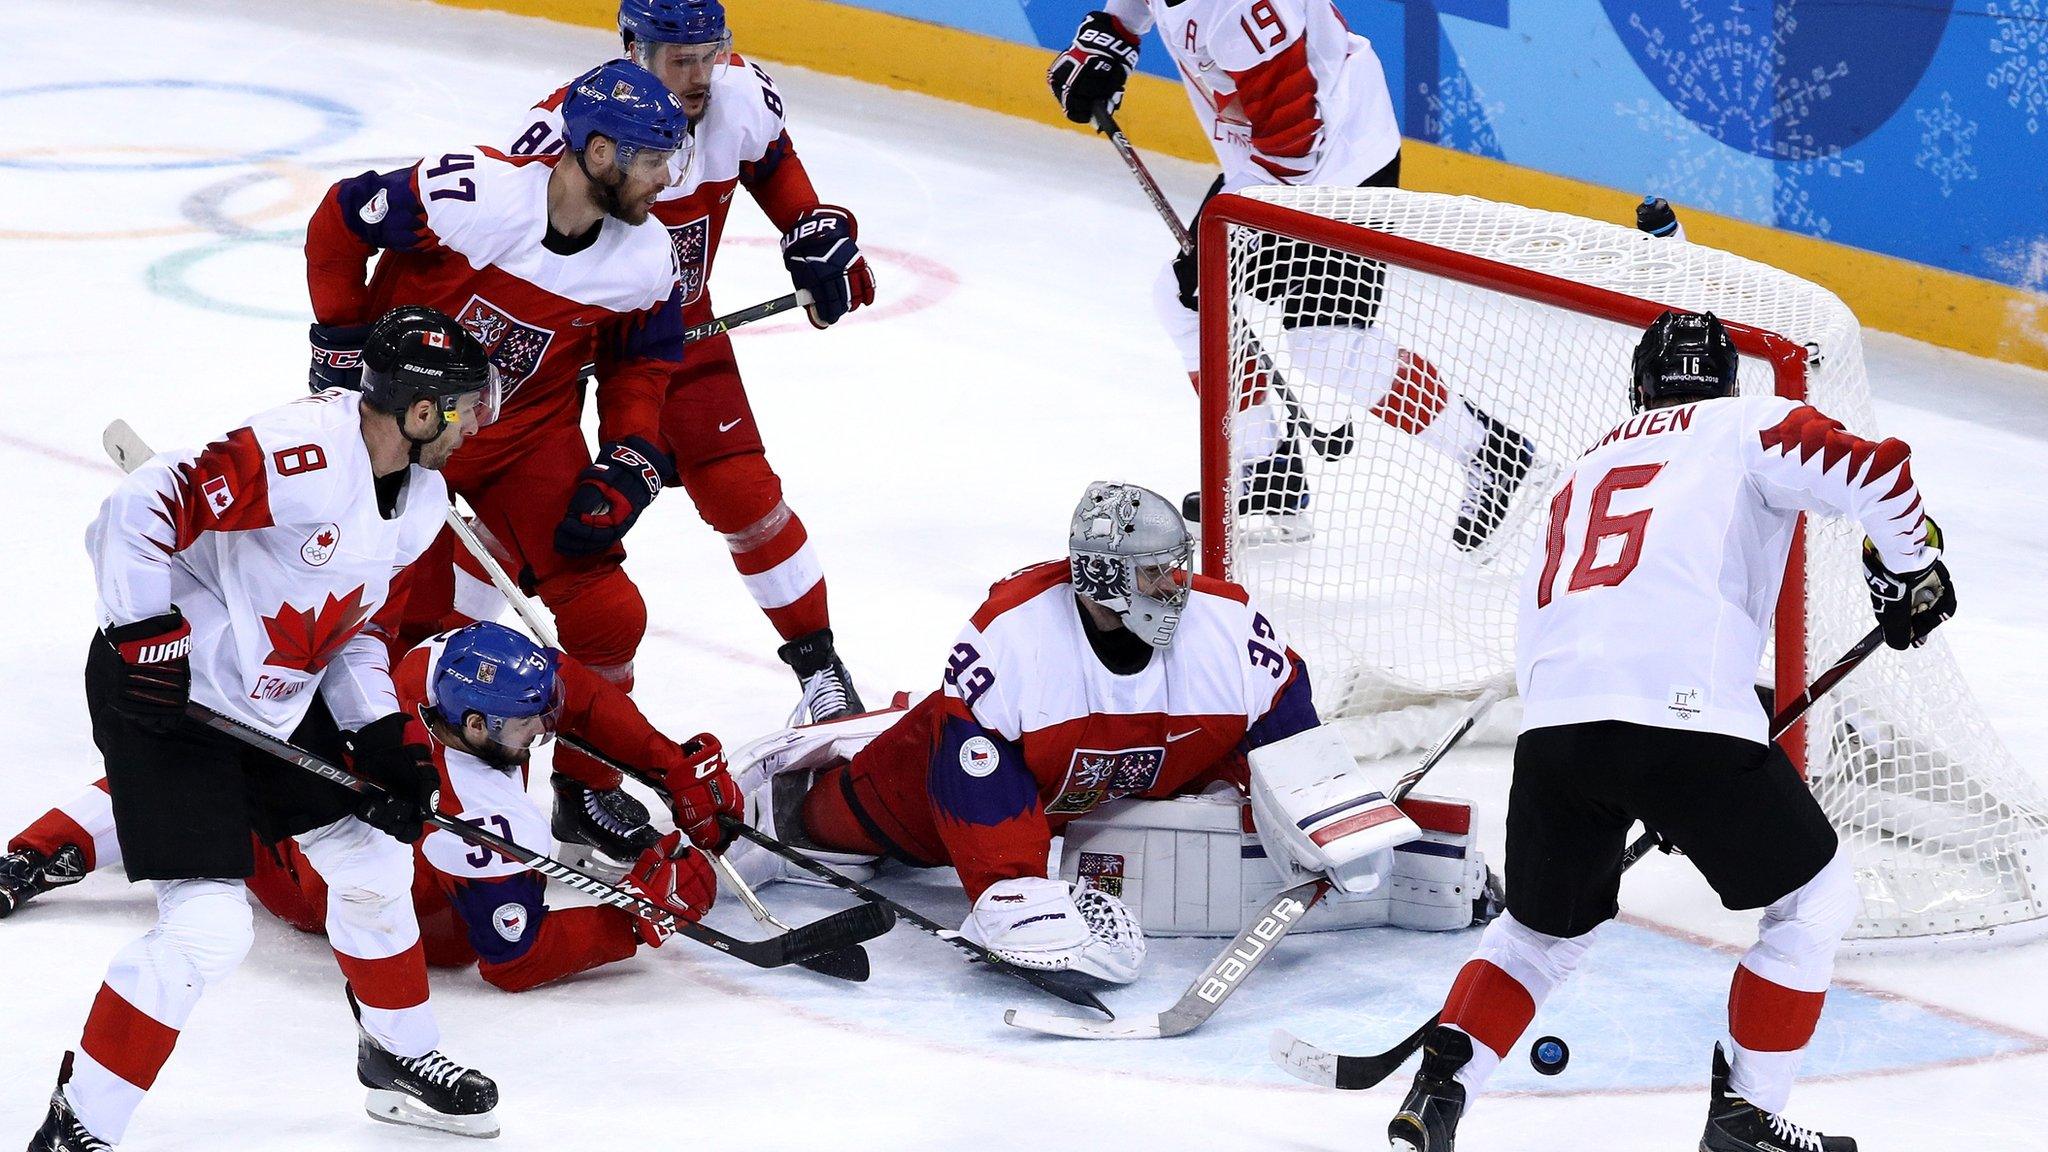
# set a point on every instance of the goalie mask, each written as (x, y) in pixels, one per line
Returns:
(1129, 551)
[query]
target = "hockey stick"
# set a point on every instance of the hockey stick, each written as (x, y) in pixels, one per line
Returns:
(731, 320)
(1066, 986)
(129, 450)
(832, 933)
(1227, 972)
(851, 964)
(1328, 445)
(1307, 1062)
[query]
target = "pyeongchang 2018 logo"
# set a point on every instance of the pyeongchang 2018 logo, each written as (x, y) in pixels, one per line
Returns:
(515, 348)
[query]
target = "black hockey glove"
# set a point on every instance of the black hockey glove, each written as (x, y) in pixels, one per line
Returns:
(156, 670)
(610, 495)
(1909, 605)
(392, 752)
(337, 355)
(1094, 70)
(824, 259)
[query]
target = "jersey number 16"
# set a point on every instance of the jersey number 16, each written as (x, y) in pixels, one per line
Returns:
(1601, 524)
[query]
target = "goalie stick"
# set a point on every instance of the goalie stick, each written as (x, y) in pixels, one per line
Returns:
(803, 946)
(826, 935)
(1306, 1061)
(1227, 972)
(1328, 445)
(848, 964)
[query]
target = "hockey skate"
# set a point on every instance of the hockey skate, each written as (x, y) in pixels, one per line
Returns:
(1736, 1125)
(429, 1091)
(828, 692)
(61, 1131)
(28, 873)
(1492, 475)
(1272, 501)
(601, 833)
(1428, 1119)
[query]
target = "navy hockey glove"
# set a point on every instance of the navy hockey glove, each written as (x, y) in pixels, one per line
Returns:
(337, 355)
(156, 670)
(823, 259)
(392, 751)
(1912, 604)
(610, 495)
(1094, 70)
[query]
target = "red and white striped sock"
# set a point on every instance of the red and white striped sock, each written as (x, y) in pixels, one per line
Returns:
(86, 820)
(781, 572)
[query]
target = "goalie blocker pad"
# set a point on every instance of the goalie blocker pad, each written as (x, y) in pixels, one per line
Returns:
(1318, 814)
(1194, 866)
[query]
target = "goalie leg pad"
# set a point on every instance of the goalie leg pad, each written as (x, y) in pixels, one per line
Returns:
(1035, 922)
(1318, 814)
(775, 772)
(1437, 876)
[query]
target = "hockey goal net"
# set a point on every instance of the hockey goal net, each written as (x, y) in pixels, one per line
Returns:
(1404, 376)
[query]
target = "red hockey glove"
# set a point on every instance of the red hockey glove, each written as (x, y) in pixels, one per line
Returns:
(610, 495)
(155, 671)
(675, 877)
(1094, 70)
(700, 790)
(392, 751)
(824, 259)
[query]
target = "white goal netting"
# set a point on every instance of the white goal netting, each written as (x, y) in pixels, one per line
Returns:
(1361, 390)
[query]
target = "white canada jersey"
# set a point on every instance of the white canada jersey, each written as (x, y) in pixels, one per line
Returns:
(270, 541)
(1286, 91)
(1650, 597)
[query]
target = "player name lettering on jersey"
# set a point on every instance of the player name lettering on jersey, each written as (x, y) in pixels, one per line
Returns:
(1650, 423)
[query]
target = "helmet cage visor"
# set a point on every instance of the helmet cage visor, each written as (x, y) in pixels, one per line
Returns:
(1147, 590)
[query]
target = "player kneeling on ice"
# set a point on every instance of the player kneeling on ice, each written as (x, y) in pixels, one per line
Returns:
(241, 577)
(1635, 664)
(1113, 674)
(489, 696)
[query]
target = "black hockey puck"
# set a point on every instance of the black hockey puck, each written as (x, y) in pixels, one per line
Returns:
(1548, 1055)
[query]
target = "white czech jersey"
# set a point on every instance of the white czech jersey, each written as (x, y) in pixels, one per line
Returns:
(270, 542)
(1650, 597)
(1286, 91)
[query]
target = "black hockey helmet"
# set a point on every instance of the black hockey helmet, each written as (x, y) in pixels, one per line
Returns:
(1683, 356)
(415, 353)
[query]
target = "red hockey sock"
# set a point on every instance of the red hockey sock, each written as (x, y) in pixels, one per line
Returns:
(56, 828)
(1764, 1016)
(1489, 1005)
(1415, 398)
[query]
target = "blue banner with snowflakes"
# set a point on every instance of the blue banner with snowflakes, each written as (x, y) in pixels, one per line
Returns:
(1916, 128)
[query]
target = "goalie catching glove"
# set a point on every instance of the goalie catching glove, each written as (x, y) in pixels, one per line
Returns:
(1912, 604)
(1052, 926)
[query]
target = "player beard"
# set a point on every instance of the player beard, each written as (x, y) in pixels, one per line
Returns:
(614, 204)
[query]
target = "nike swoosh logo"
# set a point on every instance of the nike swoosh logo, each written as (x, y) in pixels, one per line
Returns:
(1182, 735)
(730, 425)
(582, 323)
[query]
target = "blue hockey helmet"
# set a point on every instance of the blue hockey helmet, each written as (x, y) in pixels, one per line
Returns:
(673, 22)
(628, 105)
(501, 676)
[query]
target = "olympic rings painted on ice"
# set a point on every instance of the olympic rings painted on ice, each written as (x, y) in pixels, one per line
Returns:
(302, 189)
(338, 121)
(171, 278)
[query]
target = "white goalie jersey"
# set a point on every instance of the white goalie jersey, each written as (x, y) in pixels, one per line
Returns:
(1287, 93)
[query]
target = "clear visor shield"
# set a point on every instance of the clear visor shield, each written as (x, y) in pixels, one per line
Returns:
(517, 734)
(687, 69)
(663, 166)
(479, 409)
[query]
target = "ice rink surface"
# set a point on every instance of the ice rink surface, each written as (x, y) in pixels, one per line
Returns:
(153, 190)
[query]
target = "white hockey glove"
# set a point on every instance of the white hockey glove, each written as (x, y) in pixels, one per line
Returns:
(1034, 922)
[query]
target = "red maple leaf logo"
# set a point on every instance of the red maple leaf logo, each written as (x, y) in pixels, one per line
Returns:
(324, 539)
(307, 641)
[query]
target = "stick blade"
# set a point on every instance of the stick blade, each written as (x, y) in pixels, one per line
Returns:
(123, 446)
(849, 964)
(838, 931)
(1077, 1028)
(1302, 1060)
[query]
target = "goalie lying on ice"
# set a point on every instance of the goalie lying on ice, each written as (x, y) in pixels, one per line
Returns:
(1116, 674)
